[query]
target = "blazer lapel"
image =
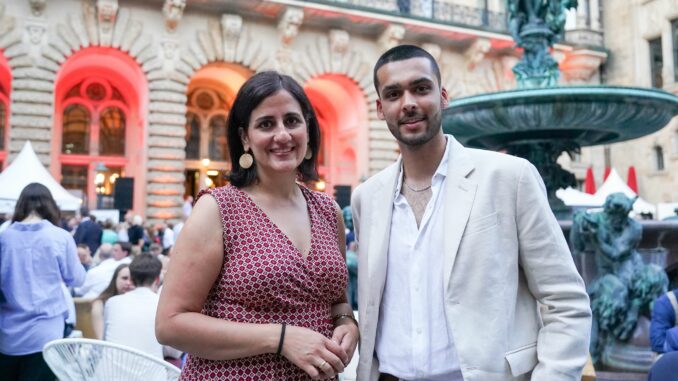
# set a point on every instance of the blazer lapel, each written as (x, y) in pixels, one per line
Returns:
(459, 196)
(381, 210)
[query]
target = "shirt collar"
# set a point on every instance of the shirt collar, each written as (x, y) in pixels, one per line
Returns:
(441, 171)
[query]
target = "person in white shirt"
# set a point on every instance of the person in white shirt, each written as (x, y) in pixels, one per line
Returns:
(100, 276)
(129, 319)
(458, 248)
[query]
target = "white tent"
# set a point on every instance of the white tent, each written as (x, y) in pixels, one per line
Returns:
(25, 169)
(576, 198)
(614, 184)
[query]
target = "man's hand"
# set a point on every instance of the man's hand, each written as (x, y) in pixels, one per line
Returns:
(346, 335)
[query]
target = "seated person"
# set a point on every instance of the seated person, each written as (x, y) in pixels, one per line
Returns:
(100, 276)
(120, 284)
(129, 319)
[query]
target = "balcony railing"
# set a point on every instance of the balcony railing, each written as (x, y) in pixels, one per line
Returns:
(439, 11)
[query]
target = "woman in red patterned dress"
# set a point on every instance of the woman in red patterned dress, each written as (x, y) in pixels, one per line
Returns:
(256, 289)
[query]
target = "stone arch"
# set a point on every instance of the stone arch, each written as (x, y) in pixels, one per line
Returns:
(124, 90)
(342, 113)
(217, 84)
(328, 56)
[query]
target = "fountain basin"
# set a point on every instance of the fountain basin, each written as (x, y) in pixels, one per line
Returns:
(584, 115)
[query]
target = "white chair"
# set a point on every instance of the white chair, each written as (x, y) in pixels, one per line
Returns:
(87, 359)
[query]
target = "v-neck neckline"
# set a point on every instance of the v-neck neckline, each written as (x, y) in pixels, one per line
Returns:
(303, 256)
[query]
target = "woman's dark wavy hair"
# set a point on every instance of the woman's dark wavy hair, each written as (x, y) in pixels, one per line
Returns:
(36, 198)
(259, 87)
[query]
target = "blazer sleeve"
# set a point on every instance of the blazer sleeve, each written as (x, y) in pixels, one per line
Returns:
(563, 341)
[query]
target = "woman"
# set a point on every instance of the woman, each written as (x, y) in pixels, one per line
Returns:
(258, 280)
(121, 282)
(35, 258)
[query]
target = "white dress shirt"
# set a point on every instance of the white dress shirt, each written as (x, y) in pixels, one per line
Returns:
(129, 319)
(412, 341)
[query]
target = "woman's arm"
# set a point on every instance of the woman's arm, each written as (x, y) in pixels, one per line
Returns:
(197, 260)
(98, 319)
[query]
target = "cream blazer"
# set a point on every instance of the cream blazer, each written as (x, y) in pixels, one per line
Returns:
(504, 255)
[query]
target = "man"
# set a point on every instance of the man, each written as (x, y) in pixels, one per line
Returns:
(100, 276)
(129, 319)
(456, 248)
(88, 231)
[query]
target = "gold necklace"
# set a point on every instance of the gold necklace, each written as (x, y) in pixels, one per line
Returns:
(417, 190)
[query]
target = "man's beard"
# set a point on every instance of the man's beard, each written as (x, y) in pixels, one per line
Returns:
(432, 126)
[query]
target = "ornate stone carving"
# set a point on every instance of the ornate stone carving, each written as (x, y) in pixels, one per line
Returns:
(434, 50)
(37, 7)
(391, 36)
(289, 24)
(339, 40)
(476, 52)
(231, 29)
(172, 10)
(107, 11)
(579, 66)
(36, 30)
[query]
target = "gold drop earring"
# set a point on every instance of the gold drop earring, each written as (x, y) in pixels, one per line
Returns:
(246, 160)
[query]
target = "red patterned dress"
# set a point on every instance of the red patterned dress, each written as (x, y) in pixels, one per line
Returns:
(265, 279)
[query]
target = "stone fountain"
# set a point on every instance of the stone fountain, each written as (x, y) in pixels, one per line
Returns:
(539, 121)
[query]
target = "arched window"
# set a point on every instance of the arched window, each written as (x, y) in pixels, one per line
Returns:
(206, 144)
(659, 158)
(94, 130)
(112, 132)
(192, 136)
(94, 121)
(218, 148)
(76, 135)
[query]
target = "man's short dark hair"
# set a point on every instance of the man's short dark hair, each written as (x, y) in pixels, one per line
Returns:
(125, 246)
(401, 53)
(144, 270)
(82, 246)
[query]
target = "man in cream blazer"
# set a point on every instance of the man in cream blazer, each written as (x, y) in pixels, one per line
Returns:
(502, 299)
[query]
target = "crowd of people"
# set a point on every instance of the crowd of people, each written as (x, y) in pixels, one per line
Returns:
(46, 261)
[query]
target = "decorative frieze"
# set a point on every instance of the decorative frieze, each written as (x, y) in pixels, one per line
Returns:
(391, 36)
(37, 7)
(172, 11)
(231, 30)
(107, 10)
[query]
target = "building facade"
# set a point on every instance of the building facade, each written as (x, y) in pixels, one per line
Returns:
(108, 90)
(642, 37)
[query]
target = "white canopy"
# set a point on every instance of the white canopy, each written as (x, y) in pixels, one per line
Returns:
(613, 184)
(25, 169)
(574, 197)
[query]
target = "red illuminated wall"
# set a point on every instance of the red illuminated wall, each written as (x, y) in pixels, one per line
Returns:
(122, 72)
(6, 87)
(341, 108)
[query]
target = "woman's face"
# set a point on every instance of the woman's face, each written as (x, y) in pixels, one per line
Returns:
(123, 282)
(277, 134)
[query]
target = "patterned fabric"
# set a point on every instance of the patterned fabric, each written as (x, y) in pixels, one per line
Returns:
(265, 279)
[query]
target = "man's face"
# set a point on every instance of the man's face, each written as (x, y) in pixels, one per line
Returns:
(411, 100)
